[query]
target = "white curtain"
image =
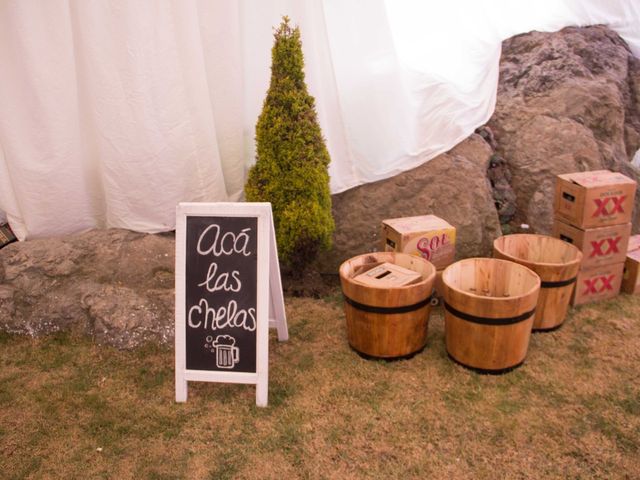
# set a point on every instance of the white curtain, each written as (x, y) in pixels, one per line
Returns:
(112, 112)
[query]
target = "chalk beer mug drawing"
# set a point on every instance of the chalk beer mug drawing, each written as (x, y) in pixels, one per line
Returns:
(227, 354)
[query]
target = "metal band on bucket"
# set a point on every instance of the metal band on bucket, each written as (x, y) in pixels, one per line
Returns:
(388, 310)
(489, 320)
(558, 284)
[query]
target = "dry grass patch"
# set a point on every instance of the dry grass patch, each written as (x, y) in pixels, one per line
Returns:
(72, 409)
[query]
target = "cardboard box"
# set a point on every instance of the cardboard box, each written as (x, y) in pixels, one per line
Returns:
(597, 283)
(594, 199)
(426, 236)
(631, 275)
(599, 246)
(388, 275)
(634, 243)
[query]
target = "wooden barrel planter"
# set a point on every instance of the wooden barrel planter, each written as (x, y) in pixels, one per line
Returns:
(387, 322)
(489, 310)
(555, 261)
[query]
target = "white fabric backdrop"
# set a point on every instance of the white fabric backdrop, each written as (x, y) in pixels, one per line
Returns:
(114, 111)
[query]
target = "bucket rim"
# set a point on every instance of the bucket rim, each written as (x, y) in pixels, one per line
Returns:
(575, 261)
(342, 271)
(512, 298)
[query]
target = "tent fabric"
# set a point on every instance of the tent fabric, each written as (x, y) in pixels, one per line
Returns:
(114, 111)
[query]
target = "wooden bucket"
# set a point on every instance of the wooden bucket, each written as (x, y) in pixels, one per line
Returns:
(555, 261)
(387, 322)
(489, 309)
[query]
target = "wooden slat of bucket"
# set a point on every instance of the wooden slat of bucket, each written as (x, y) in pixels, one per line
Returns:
(387, 336)
(555, 261)
(487, 348)
(491, 291)
(381, 334)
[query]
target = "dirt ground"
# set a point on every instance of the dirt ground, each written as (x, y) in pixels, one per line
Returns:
(73, 409)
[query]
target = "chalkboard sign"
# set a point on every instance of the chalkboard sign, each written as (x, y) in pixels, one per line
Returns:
(227, 284)
(220, 283)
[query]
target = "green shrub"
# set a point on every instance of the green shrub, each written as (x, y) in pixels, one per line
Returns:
(291, 157)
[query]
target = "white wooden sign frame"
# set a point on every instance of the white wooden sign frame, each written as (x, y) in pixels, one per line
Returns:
(269, 299)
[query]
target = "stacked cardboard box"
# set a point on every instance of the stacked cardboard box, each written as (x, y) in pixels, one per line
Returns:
(631, 276)
(593, 211)
(427, 236)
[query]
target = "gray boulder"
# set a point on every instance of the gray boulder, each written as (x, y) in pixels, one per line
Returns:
(114, 285)
(567, 101)
(453, 186)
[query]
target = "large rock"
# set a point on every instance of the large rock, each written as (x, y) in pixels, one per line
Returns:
(453, 186)
(115, 285)
(567, 101)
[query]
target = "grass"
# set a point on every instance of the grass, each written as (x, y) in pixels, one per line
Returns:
(72, 409)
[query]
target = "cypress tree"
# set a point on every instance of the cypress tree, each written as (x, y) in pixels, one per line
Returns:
(291, 158)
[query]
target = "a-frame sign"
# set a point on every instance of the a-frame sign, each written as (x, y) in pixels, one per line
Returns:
(228, 293)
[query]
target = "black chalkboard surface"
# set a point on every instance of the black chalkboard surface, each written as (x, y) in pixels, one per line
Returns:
(220, 293)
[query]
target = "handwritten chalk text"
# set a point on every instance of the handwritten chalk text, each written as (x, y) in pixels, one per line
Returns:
(204, 316)
(211, 242)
